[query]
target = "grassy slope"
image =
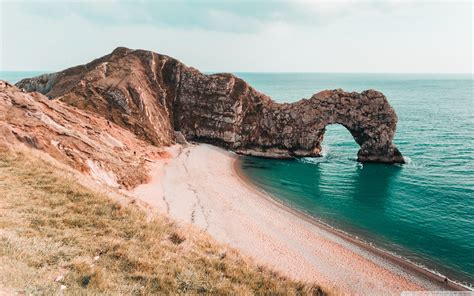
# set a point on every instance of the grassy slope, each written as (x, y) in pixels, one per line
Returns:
(52, 226)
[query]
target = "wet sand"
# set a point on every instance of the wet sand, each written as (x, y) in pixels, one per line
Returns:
(203, 185)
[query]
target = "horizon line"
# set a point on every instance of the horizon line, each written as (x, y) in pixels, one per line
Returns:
(276, 72)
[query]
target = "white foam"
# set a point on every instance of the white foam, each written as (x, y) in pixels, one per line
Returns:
(316, 160)
(407, 160)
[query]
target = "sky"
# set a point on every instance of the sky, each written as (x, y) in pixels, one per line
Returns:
(244, 36)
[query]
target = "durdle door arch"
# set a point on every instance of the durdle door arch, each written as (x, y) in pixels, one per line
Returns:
(226, 111)
(368, 117)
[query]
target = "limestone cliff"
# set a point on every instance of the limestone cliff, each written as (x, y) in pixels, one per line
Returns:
(75, 137)
(156, 96)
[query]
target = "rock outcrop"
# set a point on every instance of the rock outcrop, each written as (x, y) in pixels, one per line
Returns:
(157, 97)
(80, 139)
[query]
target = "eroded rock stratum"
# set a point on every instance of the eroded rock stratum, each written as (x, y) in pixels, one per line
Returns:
(157, 98)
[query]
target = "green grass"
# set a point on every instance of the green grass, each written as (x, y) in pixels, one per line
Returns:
(51, 226)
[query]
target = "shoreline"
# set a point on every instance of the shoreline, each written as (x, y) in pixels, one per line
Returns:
(402, 262)
(203, 185)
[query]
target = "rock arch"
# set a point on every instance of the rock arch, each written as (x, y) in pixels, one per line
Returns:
(244, 120)
(367, 116)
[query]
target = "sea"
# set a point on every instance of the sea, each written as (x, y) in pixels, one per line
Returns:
(422, 211)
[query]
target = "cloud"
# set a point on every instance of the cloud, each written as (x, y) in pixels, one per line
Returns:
(225, 15)
(243, 36)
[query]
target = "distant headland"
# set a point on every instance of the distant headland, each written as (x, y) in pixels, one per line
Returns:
(163, 101)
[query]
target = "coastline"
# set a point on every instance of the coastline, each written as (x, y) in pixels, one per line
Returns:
(404, 263)
(203, 185)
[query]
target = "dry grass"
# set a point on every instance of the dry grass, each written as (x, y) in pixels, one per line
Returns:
(54, 232)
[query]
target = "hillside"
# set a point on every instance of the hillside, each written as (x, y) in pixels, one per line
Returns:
(67, 223)
(57, 235)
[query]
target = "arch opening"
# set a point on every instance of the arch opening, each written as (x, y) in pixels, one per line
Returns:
(338, 142)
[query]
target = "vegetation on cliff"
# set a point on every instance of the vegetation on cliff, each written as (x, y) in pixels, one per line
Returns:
(56, 235)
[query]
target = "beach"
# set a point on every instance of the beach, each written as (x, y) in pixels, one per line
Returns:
(202, 185)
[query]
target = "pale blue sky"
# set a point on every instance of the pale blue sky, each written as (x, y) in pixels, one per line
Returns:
(232, 36)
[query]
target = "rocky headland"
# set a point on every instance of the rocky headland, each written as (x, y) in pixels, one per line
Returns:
(163, 101)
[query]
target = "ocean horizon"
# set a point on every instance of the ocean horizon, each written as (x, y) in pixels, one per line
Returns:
(16, 75)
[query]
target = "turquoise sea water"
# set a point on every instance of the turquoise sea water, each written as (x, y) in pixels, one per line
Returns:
(15, 76)
(423, 210)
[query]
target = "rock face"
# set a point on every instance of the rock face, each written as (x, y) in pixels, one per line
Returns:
(78, 138)
(157, 97)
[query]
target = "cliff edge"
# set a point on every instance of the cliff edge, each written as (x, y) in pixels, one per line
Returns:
(160, 99)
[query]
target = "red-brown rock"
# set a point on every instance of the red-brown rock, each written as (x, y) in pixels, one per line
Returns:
(154, 96)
